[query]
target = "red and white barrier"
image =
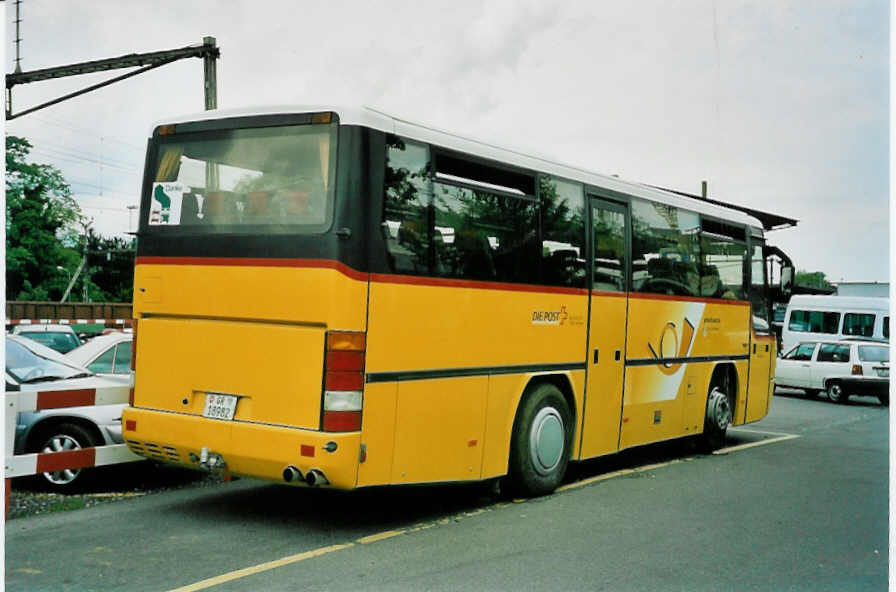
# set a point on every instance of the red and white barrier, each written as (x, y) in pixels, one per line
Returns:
(115, 322)
(20, 465)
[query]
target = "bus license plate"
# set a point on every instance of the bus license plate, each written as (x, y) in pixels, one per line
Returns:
(219, 406)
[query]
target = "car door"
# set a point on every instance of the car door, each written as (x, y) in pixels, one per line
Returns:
(794, 369)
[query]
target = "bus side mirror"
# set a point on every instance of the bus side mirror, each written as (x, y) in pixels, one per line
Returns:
(787, 280)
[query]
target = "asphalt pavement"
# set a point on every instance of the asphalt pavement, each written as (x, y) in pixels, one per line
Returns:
(799, 501)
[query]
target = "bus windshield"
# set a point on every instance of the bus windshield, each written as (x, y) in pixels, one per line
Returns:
(244, 180)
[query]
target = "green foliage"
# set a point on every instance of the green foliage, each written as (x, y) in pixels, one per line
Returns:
(40, 226)
(111, 262)
(813, 279)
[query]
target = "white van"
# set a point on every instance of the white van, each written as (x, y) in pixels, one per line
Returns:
(814, 318)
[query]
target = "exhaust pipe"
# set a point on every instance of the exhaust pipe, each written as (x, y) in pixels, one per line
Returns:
(316, 477)
(291, 474)
(210, 461)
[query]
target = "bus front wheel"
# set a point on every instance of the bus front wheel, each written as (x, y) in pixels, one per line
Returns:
(539, 450)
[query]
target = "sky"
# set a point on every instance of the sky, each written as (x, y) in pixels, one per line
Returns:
(779, 105)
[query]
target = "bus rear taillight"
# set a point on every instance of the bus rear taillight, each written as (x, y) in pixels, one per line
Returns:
(343, 396)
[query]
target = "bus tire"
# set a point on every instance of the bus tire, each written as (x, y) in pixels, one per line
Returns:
(541, 442)
(717, 420)
(884, 399)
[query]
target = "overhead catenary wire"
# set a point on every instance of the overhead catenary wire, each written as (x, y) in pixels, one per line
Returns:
(80, 130)
(74, 158)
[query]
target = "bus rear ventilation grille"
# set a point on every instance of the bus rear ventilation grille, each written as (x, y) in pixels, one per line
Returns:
(153, 450)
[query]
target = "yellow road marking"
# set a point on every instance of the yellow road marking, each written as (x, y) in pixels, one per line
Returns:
(248, 571)
(380, 536)
(755, 444)
(759, 432)
(595, 479)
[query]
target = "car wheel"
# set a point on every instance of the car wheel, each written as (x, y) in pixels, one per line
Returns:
(542, 438)
(60, 438)
(718, 418)
(835, 392)
(884, 400)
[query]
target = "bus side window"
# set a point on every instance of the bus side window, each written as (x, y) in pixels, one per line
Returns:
(563, 232)
(408, 194)
(666, 239)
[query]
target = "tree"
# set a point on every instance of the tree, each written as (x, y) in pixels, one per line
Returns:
(813, 279)
(111, 265)
(41, 235)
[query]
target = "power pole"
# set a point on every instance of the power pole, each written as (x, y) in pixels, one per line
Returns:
(18, 69)
(211, 73)
(86, 224)
(207, 50)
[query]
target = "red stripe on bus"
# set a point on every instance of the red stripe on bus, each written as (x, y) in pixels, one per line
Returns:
(479, 285)
(603, 293)
(49, 462)
(388, 278)
(255, 262)
(643, 296)
(60, 399)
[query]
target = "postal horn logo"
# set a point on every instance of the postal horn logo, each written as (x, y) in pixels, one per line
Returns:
(550, 317)
(672, 348)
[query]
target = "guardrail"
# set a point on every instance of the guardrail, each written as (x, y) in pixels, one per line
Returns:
(33, 398)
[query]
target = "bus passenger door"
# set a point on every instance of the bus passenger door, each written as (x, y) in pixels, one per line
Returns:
(606, 333)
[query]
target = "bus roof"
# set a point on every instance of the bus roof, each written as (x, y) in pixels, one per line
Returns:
(372, 118)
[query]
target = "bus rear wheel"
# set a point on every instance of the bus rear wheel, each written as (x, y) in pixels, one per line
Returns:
(542, 438)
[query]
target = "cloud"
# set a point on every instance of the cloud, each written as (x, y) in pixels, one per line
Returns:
(780, 105)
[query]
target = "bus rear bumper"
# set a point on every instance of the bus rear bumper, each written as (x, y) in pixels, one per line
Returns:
(247, 449)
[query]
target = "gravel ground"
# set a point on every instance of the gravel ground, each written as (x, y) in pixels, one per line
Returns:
(31, 496)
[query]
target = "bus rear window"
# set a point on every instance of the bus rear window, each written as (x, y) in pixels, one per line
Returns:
(244, 180)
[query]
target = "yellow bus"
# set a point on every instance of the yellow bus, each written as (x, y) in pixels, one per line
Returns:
(334, 296)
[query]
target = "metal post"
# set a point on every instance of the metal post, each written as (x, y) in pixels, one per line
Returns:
(18, 69)
(86, 266)
(211, 102)
(703, 188)
(211, 75)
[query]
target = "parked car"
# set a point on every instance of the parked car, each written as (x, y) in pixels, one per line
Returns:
(55, 430)
(840, 368)
(61, 338)
(106, 355)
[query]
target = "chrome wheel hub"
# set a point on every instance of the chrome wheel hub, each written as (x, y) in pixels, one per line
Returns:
(546, 440)
(718, 410)
(61, 443)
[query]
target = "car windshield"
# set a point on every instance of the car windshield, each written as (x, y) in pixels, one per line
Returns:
(26, 366)
(61, 342)
(874, 353)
